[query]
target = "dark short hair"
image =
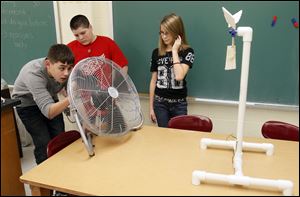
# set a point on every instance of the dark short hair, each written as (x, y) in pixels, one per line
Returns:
(79, 21)
(60, 53)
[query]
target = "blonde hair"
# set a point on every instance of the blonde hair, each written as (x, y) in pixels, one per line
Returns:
(174, 25)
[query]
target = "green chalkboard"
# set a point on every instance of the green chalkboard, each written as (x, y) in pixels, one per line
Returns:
(27, 32)
(274, 61)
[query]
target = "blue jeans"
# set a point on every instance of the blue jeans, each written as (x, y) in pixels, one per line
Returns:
(41, 129)
(165, 110)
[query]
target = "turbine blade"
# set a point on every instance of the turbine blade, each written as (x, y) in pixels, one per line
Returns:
(229, 18)
(237, 16)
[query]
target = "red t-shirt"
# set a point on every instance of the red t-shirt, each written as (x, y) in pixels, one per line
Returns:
(101, 46)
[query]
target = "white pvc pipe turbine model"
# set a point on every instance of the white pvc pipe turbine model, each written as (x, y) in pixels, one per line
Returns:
(238, 178)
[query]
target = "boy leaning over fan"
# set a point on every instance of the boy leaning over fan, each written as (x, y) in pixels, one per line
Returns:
(37, 86)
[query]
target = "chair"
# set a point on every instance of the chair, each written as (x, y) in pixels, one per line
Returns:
(280, 130)
(191, 122)
(61, 141)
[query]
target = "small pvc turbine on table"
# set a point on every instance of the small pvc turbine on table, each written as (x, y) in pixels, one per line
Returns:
(238, 178)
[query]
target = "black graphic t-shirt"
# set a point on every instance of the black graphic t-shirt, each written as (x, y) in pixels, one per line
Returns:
(166, 85)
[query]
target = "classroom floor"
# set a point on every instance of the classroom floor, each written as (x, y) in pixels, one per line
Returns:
(27, 163)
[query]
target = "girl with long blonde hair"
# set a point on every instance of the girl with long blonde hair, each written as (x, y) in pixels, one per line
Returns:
(170, 64)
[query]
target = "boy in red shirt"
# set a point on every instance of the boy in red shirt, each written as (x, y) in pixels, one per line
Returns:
(87, 44)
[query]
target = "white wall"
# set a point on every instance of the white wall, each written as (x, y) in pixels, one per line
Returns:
(99, 14)
(224, 117)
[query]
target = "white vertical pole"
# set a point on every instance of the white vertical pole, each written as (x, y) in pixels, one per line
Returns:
(246, 33)
(57, 22)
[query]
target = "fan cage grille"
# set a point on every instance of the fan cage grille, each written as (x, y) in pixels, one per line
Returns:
(99, 111)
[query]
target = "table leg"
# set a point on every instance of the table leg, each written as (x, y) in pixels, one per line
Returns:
(38, 191)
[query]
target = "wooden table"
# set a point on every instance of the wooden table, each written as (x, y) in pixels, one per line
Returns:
(159, 161)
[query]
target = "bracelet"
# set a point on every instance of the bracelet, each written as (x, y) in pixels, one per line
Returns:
(176, 63)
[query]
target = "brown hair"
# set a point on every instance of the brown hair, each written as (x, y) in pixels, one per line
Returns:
(174, 25)
(60, 53)
(79, 21)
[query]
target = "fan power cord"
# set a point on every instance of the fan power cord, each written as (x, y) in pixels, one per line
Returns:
(68, 115)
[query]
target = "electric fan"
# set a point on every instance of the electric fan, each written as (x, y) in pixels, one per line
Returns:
(103, 100)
